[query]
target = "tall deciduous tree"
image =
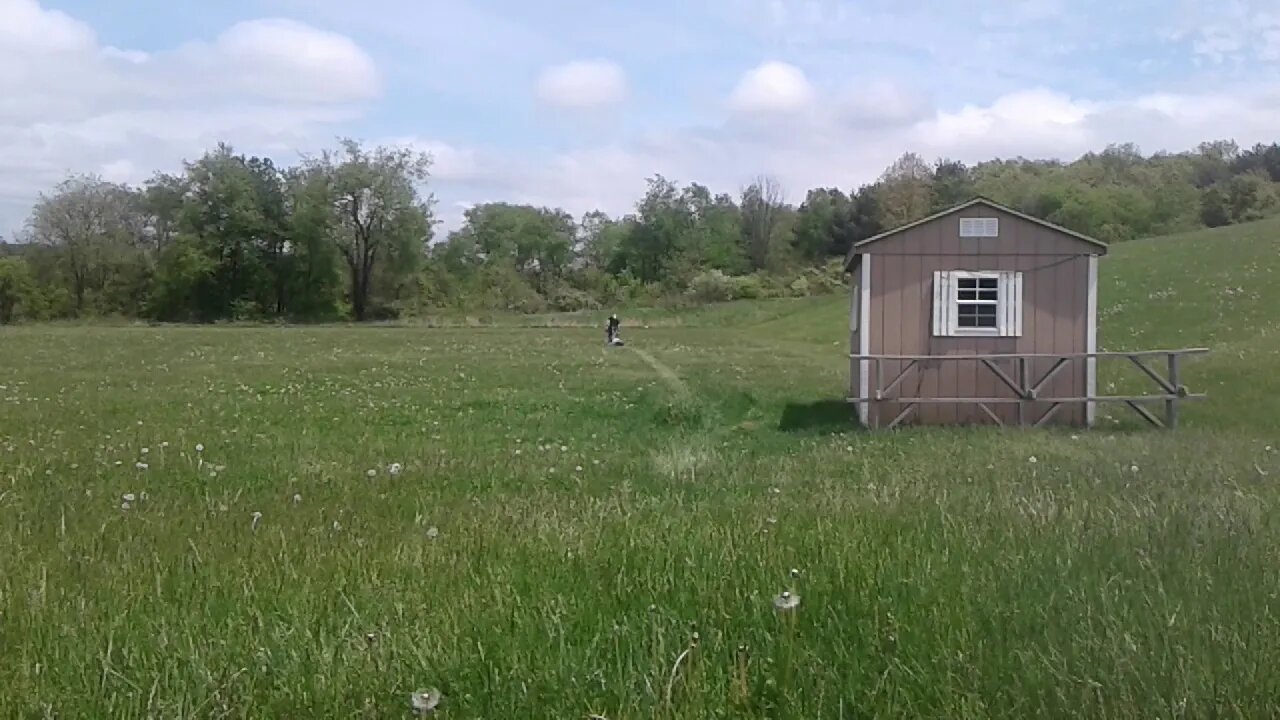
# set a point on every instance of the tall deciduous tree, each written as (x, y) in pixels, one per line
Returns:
(762, 209)
(906, 191)
(94, 225)
(379, 217)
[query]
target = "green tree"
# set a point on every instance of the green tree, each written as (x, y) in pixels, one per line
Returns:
(227, 222)
(714, 236)
(161, 204)
(661, 223)
(314, 280)
(762, 213)
(17, 289)
(96, 229)
(952, 184)
(379, 217)
(905, 191)
(1214, 209)
(821, 220)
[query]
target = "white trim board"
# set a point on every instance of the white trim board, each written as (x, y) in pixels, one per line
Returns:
(864, 337)
(1091, 344)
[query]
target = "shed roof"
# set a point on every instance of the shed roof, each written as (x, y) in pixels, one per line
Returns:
(859, 246)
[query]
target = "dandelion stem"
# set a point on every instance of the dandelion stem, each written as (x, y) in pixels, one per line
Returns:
(675, 669)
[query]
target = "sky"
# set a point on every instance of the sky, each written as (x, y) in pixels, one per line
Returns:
(574, 103)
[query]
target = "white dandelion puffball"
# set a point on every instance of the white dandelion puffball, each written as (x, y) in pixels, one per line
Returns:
(433, 532)
(372, 473)
(1133, 469)
(1032, 460)
(395, 469)
(425, 702)
(297, 498)
(786, 601)
(129, 497)
(141, 465)
(146, 451)
(199, 447)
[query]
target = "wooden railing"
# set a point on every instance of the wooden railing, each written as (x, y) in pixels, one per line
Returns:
(1027, 387)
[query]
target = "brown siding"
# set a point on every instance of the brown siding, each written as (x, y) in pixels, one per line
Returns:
(1055, 270)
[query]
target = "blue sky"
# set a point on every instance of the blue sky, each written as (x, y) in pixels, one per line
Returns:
(574, 102)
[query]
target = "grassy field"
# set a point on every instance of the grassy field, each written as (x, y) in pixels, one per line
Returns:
(269, 523)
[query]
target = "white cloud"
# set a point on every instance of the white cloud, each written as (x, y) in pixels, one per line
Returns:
(286, 60)
(1231, 31)
(71, 104)
(583, 85)
(825, 148)
(773, 87)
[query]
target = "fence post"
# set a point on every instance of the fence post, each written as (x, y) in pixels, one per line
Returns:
(876, 406)
(1022, 392)
(1171, 404)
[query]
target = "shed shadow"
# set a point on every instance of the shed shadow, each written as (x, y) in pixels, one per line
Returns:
(821, 417)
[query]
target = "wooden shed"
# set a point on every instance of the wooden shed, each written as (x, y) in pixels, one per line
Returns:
(977, 314)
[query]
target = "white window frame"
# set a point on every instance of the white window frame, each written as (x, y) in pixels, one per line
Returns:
(947, 302)
(979, 227)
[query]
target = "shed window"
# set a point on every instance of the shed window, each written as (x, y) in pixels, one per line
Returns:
(977, 303)
(988, 227)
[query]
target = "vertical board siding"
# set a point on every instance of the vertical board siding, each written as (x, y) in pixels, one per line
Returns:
(1054, 271)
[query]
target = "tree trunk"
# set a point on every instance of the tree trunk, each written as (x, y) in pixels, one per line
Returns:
(358, 294)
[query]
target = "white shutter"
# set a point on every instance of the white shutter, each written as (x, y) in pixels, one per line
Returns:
(942, 303)
(1010, 311)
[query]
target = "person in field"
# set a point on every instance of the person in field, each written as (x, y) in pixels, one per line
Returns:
(611, 330)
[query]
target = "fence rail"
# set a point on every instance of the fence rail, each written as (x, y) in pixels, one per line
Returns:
(1027, 387)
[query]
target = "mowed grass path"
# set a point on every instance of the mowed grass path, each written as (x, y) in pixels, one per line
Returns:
(565, 519)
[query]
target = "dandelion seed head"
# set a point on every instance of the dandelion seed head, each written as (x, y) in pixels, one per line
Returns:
(297, 498)
(141, 465)
(395, 469)
(371, 473)
(146, 451)
(129, 497)
(787, 601)
(425, 702)
(433, 532)
(199, 447)
(1032, 460)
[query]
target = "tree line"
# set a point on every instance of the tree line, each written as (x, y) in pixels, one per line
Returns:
(350, 233)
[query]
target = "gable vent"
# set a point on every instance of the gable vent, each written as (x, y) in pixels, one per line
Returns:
(979, 227)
